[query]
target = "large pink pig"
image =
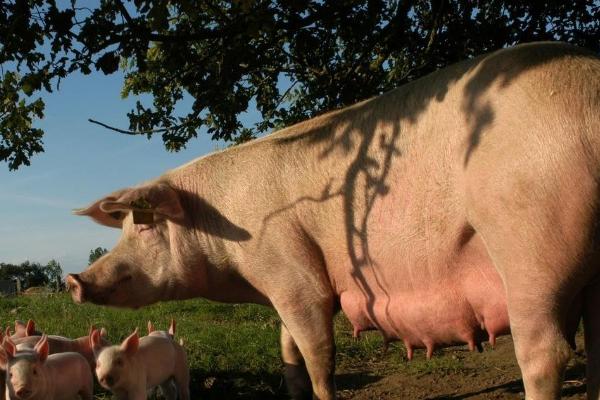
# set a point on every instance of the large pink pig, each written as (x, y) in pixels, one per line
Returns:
(457, 208)
(34, 375)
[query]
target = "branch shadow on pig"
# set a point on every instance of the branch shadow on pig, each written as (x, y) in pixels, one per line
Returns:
(208, 219)
(368, 135)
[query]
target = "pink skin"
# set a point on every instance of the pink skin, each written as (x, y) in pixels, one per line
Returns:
(129, 370)
(450, 211)
(60, 344)
(35, 375)
(169, 334)
(23, 329)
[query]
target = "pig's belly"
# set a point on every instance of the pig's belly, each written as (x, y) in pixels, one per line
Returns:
(433, 317)
(456, 302)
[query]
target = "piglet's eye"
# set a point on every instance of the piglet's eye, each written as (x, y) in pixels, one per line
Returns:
(119, 362)
(35, 371)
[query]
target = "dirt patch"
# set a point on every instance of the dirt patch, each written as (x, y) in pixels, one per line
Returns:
(452, 374)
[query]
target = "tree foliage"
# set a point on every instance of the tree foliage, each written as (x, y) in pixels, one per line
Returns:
(291, 59)
(96, 254)
(33, 274)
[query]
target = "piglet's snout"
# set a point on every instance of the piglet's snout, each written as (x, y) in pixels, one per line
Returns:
(76, 287)
(23, 393)
(107, 380)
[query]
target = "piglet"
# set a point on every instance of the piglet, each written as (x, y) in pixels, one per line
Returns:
(22, 329)
(137, 365)
(35, 375)
(170, 333)
(60, 344)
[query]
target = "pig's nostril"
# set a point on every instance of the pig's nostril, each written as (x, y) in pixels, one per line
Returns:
(108, 380)
(23, 392)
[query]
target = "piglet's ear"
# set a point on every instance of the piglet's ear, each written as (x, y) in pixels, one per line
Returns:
(95, 341)
(92, 329)
(9, 348)
(150, 327)
(30, 328)
(103, 333)
(130, 345)
(172, 328)
(42, 348)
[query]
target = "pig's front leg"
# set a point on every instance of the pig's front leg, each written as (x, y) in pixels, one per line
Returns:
(296, 376)
(309, 321)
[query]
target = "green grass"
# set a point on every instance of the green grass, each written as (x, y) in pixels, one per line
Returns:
(233, 350)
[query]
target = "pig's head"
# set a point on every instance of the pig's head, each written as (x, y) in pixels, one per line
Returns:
(24, 369)
(145, 265)
(114, 365)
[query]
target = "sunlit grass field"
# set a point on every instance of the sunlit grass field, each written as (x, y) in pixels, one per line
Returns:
(233, 350)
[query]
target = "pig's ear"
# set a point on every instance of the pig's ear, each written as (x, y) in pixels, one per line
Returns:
(95, 341)
(30, 328)
(94, 211)
(9, 347)
(130, 345)
(42, 348)
(3, 359)
(92, 329)
(156, 198)
(103, 333)
(172, 328)
(7, 332)
(150, 327)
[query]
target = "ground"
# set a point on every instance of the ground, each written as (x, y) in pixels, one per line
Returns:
(233, 353)
(453, 373)
(492, 374)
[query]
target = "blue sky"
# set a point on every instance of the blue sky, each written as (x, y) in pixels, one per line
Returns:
(81, 162)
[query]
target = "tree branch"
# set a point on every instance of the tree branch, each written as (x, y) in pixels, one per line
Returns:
(127, 132)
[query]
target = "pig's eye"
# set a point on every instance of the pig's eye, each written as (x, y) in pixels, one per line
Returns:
(35, 371)
(10, 374)
(119, 362)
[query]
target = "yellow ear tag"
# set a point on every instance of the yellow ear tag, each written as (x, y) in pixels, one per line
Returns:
(143, 217)
(142, 211)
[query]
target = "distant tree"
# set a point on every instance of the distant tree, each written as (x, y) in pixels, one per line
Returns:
(54, 272)
(96, 254)
(227, 55)
(34, 274)
(29, 274)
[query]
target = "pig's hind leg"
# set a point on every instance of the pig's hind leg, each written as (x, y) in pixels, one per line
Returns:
(181, 377)
(591, 321)
(169, 390)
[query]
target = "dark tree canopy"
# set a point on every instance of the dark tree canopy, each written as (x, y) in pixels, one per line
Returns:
(293, 58)
(33, 274)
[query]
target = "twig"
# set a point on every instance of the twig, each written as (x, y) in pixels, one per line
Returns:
(127, 132)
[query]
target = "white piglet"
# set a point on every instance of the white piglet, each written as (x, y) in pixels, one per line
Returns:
(34, 375)
(130, 369)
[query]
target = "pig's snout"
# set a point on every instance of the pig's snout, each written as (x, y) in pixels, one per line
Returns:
(75, 287)
(23, 393)
(107, 380)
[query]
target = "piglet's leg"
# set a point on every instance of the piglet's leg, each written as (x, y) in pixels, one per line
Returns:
(181, 377)
(168, 389)
(296, 375)
(591, 320)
